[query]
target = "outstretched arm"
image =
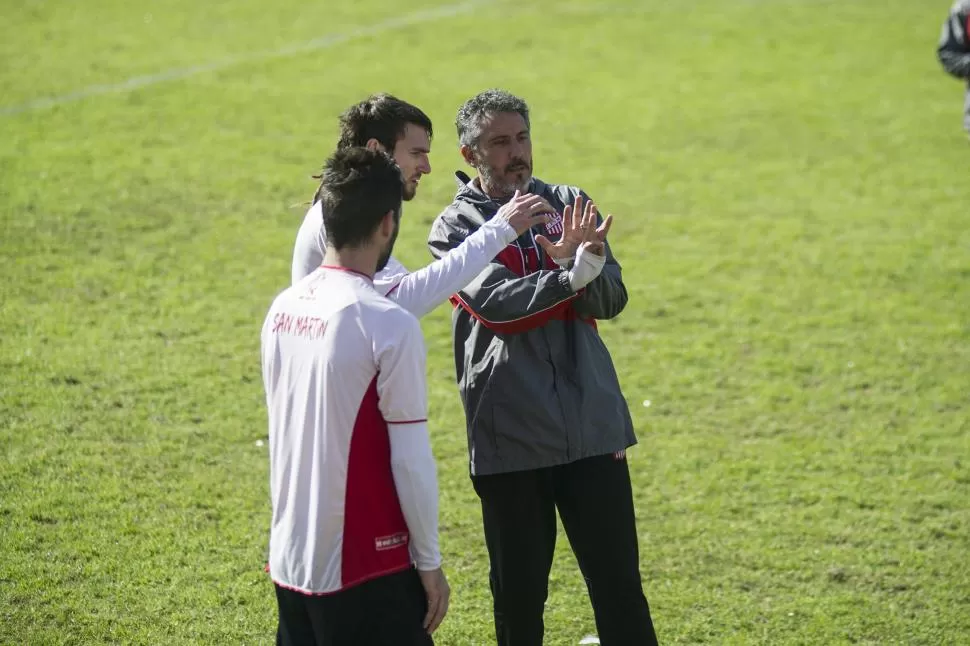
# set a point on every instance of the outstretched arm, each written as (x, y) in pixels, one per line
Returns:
(423, 290)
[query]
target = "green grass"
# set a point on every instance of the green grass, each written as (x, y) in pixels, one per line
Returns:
(790, 186)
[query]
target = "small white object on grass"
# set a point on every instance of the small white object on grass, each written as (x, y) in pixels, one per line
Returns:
(259, 442)
(589, 639)
(646, 403)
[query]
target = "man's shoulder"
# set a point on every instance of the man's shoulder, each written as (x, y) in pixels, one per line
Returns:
(393, 271)
(960, 7)
(314, 214)
(461, 217)
(386, 317)
(284, 297)
(379, 305)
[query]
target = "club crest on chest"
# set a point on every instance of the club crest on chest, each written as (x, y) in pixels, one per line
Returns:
(554, 225)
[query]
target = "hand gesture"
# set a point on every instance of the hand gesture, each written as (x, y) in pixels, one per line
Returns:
(578, 227)
(436, 588)
(523, 212)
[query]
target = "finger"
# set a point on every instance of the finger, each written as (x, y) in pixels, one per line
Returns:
(604, 228)
(538, 202)
(578, 211)
(541, 218)
(521, 204)
(568, 223)
(517, 199)
(438, 618)
(434, 602)
(585, 223)
(546, 245)
(445, 604)
(429, 615)
(590, 213)
(548, 207)
(591, 218)
(439, 615)
(540, 207)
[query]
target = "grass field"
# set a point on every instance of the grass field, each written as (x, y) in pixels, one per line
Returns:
(789, 181)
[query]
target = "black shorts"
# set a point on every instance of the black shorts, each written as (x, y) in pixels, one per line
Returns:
(386, 611)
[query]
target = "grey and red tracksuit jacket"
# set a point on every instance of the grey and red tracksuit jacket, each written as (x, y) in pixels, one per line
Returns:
(954, 49)
(536, 380)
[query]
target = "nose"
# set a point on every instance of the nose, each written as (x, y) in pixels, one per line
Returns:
(425, 165)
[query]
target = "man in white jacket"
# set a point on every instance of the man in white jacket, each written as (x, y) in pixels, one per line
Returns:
(385, 123)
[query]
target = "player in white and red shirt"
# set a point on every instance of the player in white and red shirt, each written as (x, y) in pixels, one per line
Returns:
(354, 539)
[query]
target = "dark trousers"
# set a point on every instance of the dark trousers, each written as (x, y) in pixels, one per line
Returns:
(595, 502)
(387, 611)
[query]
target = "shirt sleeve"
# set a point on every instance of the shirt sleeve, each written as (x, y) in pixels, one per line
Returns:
(310, 244)
(416, 481)
(402, 391)
(423, 290)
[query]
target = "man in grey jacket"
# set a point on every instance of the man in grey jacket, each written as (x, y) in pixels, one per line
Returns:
(548, 427)
(954, 49)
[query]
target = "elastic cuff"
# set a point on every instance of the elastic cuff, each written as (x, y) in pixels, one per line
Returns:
(428, 565)
(565, 263)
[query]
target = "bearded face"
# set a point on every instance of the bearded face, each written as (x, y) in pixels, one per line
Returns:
(503, 155)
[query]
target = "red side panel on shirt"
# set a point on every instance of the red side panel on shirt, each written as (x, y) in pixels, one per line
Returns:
(375, 532)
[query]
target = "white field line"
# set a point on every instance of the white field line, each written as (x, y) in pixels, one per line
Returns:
(177, 74)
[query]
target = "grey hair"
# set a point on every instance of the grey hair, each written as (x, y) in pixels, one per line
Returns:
(473, 113)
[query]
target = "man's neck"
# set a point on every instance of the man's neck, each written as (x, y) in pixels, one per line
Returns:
(361, 260)
(499, 196)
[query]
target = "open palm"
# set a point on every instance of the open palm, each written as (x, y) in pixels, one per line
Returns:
(577, 222)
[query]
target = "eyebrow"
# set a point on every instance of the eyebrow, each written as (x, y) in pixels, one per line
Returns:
(420, 149)
(518, 134)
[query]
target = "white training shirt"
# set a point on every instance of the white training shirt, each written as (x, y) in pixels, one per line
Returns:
(352, 478)
(423, 290)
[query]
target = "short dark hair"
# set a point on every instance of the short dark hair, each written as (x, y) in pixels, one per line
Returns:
(382, 117)
(358, 188)
(473, 113)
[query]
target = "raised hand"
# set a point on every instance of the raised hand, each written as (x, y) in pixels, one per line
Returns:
(523, 212)
(578, 227)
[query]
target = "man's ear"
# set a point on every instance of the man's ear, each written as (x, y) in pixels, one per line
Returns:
(376, 146)
(387, 224)
(468, 153)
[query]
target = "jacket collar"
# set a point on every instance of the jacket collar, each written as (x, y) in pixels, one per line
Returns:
(469, 189)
